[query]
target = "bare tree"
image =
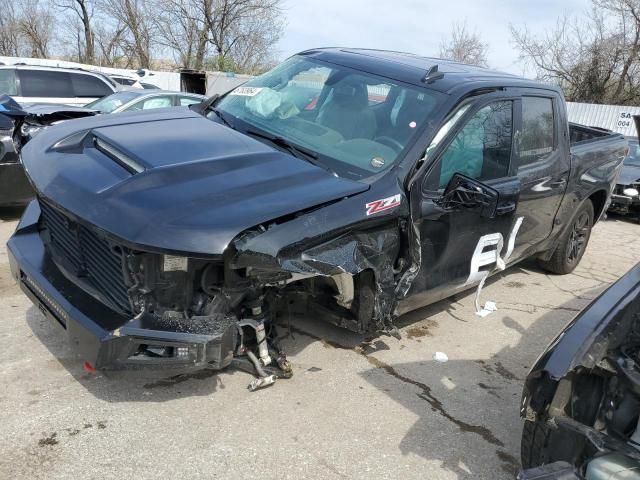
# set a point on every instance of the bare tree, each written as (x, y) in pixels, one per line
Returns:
(82, 10)
(627, 15)
(36, 25)
(134, 17)
(181, 27)
(235, 35)
(108, 42)
(594, 58)
(10, 36)
(464, 46)
(243, 31)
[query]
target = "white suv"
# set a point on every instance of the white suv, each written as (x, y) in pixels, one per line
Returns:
(30, 83)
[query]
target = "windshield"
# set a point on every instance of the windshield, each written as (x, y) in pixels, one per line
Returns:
(356, 123)
(111, 102)
(633, 159)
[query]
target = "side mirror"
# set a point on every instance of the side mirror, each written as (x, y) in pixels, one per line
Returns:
(464, 192)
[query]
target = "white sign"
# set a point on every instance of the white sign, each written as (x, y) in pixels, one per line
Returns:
(246, 91)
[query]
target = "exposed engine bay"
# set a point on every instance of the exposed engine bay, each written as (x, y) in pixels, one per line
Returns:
(236, 297)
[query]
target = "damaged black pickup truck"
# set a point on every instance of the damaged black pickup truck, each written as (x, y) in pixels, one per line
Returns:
(365, 183)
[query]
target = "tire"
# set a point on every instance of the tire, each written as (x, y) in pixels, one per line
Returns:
(573, 243)
(533, 443)
(364, 301)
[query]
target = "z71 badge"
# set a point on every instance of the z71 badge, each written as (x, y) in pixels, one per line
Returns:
(378, 206)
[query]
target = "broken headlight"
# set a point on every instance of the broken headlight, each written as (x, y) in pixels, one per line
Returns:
(29, 130)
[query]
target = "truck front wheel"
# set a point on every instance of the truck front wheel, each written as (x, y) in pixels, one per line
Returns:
(573, 243)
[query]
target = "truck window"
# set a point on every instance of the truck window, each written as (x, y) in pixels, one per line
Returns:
(89, 86)
(481, 149)
(44, 83)
(8, 82)
(536, 140)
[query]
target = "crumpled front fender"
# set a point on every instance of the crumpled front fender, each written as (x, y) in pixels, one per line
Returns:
(601, 327)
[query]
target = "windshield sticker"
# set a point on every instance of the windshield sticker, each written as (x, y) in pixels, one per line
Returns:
(382, 205)
(246, 91)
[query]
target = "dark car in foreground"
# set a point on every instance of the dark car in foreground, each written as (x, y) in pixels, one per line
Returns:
(626, 196)
(360, 184)
(581, 401)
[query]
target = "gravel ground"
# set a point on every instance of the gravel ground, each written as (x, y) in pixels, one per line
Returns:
(385, 410)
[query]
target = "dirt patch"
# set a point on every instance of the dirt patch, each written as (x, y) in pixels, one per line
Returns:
(515, 284)
(422, 330)
(49, 440)
(183, 377)
(489, 389)
(509, 463)
(502, 371)
(498, 368)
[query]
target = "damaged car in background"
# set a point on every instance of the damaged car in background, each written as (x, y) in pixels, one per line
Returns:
(18, 124)
(21, 122)
(626, 196)
(356, 184)
(581, 400)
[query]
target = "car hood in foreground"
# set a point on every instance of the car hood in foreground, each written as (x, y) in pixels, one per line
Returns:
(194, 185)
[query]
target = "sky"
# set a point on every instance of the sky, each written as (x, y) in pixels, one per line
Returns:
(419, 26)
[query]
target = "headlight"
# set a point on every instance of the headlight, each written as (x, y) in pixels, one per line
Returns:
(631, 192)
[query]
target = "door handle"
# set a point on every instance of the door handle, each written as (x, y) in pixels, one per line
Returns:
(558, 183)
(505, 208)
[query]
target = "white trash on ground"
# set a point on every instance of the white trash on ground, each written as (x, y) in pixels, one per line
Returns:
(440, 357)
(489, 307)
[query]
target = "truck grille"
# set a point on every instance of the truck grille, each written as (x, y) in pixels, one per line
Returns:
(87, 256)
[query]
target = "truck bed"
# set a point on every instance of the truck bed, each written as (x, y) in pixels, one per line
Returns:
(586, 140)
(580, 134)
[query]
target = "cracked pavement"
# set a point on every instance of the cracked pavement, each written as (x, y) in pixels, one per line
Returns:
(354, 409)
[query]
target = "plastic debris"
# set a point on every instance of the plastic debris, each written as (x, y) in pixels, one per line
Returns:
(440, 357)
(488, 308)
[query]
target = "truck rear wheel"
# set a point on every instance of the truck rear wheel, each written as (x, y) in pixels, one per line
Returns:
(573, 243)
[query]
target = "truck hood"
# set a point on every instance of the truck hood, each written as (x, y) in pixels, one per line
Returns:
(193, 187)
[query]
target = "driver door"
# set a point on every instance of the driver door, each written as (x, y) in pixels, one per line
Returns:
(459, 240)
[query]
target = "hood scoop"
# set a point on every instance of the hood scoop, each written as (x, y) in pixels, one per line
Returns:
(121, 158)
(82, 140)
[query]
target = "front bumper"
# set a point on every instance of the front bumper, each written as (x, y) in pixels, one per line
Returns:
(624, 204)
(101, 336)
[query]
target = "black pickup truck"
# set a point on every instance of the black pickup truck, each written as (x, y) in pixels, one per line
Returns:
(360, 184)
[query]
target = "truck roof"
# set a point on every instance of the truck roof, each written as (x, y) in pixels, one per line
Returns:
(413, 69)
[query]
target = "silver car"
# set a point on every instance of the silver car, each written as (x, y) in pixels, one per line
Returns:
(132, 100)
